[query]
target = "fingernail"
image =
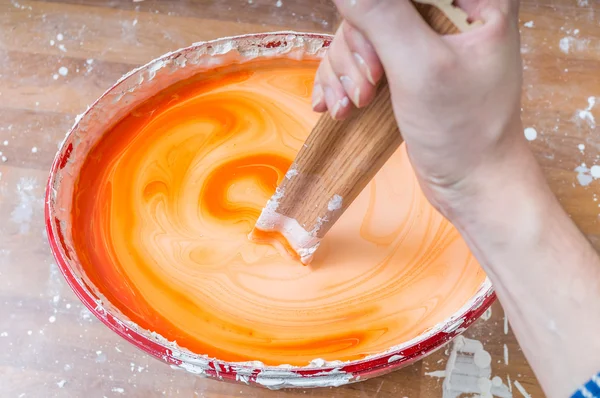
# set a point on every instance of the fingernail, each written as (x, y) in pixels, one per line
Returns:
(317, 95)
(338, 106)
(361, 62)
(352, 89)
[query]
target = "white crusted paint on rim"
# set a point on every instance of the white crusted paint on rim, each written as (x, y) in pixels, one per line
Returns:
(276, 380)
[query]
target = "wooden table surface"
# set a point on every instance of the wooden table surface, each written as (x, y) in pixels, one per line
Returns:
(56, 57)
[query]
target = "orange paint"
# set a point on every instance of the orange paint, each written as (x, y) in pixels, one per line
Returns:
(166, 199)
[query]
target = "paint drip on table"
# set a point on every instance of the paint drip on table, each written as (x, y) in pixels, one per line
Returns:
(165, 200)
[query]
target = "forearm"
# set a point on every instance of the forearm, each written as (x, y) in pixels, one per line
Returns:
(546, 274)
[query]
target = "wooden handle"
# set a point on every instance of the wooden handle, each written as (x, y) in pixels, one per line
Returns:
(339, 158)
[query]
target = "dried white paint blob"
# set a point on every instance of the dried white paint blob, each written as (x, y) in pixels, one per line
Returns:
(528, 24)
(505, 354)
(60, 37)
(52, 319)
(581, 147)
(52, 42)
(55, 76)
(61, 383)
(468, 371)
(63, 71)
(62, 48)
(5, 143)
(279, 3)
(482, 358)
(335, 203)
(530, 133)
(34, 149)
(584, 176)
(89, 61)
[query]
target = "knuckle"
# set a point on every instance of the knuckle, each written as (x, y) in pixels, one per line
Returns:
(442, 64)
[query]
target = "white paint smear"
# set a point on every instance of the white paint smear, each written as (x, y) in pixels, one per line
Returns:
(522, 390)
(570, 43)
(528, 24)
(22, 214)
(505, 354)
(335, 203)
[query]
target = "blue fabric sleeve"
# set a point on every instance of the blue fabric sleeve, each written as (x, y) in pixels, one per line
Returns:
(591, 389)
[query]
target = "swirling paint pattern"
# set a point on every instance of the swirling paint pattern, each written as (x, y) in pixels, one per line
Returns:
(165, 201)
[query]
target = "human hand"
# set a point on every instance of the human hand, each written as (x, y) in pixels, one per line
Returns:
(456, 98)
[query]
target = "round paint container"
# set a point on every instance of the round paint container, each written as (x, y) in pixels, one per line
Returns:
(120, 100)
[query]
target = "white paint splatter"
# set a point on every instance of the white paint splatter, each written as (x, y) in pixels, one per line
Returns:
(522, 390)
(564, 45)
(487, 314)
(595, 171)
(34, 149)
(586, 114)
(55, 76)
(63, 71)
(528, 24)
(61, 383)
(52, 319)
(584, 176)
(60, 37)
(530, 133)
(570, 43)
(118, 390)
(279, 3)
(581, 147)
(505, 354)
(89, 61)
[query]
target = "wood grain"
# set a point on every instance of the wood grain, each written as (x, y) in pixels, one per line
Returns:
(76, 356)
(340, 157)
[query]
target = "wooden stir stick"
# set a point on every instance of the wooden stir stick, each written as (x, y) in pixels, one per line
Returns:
(338, 159)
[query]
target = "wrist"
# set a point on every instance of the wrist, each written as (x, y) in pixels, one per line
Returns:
(503, 192)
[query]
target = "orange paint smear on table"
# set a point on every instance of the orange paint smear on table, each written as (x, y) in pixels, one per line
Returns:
(165, 201)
